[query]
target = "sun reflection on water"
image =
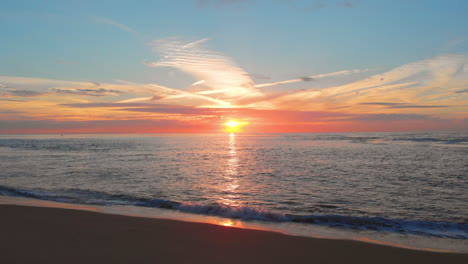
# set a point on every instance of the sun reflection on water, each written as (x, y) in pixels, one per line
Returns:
(228, 223)
(231, 182)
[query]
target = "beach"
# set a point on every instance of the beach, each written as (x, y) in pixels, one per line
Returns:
(57, 235)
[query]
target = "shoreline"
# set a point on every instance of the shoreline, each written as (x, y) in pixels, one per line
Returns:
(58, 235)
(287, 228)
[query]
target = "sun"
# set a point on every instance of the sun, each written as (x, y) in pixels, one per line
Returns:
(233, 126)
(232, 123)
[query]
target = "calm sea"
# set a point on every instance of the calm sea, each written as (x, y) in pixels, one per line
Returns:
(406, 184)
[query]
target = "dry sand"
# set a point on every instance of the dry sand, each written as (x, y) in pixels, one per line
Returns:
(52, 235)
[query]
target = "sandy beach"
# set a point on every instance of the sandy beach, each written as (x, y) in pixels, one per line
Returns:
(55, 235)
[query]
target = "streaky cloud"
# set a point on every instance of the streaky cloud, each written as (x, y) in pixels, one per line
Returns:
(462, 91)
(87, 92)
(171, 93)
(311, 78)
(24, 86)
(138, 99)
(257, 76)
(224, 79)
(380, 103)
(198, 82)
(21, 93)
(11, 100)
(419, 106)
(113, 105)
(429, 84)
(111, 22)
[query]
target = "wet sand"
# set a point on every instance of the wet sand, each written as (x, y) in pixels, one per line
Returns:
(54, 235)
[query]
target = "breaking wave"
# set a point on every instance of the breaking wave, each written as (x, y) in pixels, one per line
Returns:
(377, 224)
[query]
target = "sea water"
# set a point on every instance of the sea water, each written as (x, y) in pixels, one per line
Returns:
(394, 185)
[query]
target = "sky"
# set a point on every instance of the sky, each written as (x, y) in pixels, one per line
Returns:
(192, 66)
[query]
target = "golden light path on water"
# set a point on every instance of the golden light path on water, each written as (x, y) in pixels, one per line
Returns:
(230, 174)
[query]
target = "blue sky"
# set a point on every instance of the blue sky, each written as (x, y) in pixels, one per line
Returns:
(403, 58)
(281, 39)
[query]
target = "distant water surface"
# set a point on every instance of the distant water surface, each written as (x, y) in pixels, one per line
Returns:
(406, 183)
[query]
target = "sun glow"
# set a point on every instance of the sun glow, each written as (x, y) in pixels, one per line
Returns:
(233, 126)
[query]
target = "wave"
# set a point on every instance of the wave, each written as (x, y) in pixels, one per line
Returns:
(64, 145)
(450, 141)
(377, 224)
(441, 138)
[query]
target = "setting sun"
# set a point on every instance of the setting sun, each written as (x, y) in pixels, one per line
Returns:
(233, 126)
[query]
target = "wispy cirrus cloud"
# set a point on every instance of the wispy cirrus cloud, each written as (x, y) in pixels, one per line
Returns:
(428, 83)
(20, 93)
(403, 105)
(279, 115)
(114, 105)
(429, 93)
(11, 100)
(380, 103)
(257, 76)
(224, 79)
(28, 87)
(420, 106)
(346, 4)
(111, 22)
(87, 92)
(311, 78)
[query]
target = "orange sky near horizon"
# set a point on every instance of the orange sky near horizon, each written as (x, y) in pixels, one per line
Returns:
(425, 95)
(327, 66)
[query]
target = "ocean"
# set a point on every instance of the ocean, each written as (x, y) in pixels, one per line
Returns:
(406, 188)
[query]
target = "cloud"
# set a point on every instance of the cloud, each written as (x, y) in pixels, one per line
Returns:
(257, 76)
(25, 93)
(198, 82)
(21, 93)
(11, 100)
(430, 83)
(114, 105)
(417, 91)
(140, 99)
(419, 106)
(224, 79)
(167, 93)
(87, 92)
(311, 78)
(392, 117)
(172, 110)
(111, 22)
(10, 112)
(29, 87)
(380, 103)
(91, 126)
(339, 107)
(346, 4)
(41, 84)
(284, 116)
(154, 108)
